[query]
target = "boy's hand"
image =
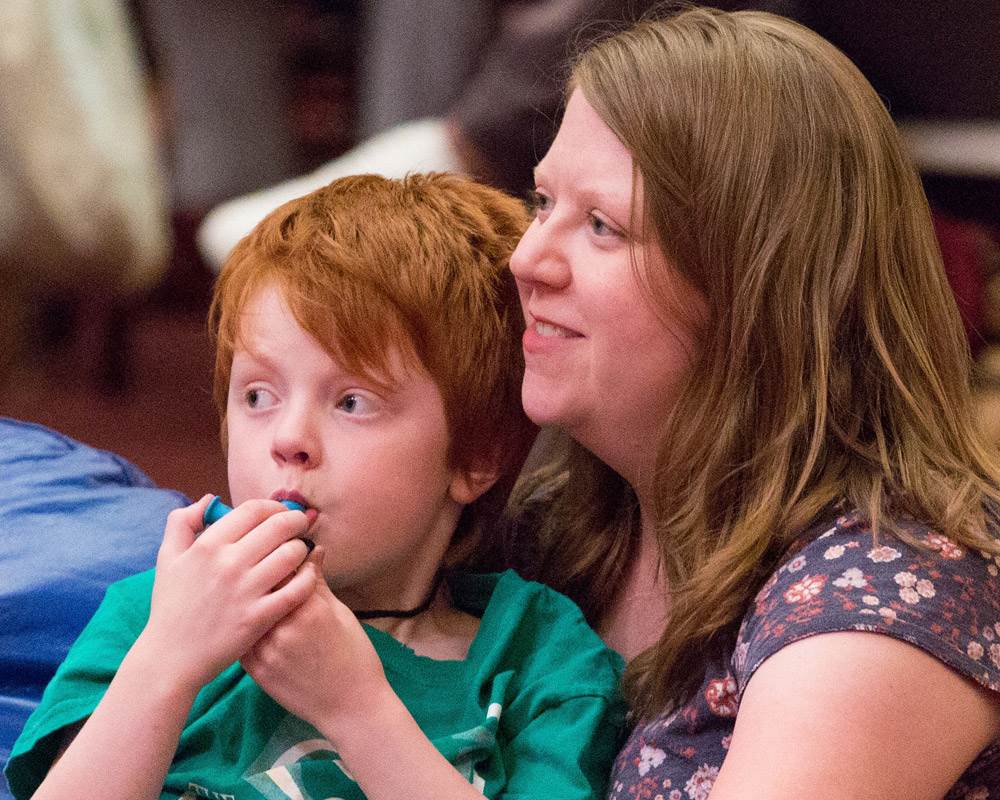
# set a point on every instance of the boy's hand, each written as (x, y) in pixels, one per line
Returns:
(318, 662)
(216, 594)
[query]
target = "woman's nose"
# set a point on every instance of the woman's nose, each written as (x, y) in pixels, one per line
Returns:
(540, 257)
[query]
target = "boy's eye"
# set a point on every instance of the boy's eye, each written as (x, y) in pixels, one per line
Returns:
(258, 398)
(356, 403)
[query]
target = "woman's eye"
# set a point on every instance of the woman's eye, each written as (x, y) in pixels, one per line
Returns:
(258, 398)
(356, 403)
(601, 228)
(538, 202)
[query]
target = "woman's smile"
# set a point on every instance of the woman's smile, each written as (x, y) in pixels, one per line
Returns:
(541, 337)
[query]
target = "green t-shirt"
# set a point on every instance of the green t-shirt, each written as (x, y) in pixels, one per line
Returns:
(532, 711)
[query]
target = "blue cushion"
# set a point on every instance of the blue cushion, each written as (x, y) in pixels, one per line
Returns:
(72, 520)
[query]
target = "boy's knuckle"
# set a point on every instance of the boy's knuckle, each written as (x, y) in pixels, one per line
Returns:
(203, 547)
(253, 508)
(227, 566)
(263, 506)
(270, 653)
(293, 548)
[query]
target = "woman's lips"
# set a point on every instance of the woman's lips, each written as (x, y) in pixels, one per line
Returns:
(542, 336)
(549, 329)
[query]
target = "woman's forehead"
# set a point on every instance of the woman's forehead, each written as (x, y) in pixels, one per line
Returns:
(588, 158)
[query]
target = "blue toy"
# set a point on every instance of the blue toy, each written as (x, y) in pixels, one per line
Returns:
(217, 509)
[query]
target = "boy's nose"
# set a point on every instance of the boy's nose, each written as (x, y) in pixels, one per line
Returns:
(292, 455)
(295, 444)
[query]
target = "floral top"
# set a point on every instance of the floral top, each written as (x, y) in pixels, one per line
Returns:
(945, 600)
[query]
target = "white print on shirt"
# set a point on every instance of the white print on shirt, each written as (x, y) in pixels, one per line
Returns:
(277, 771)
(194, 790)
(480, 737)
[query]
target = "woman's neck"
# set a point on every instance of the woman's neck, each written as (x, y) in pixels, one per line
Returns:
(637, 615)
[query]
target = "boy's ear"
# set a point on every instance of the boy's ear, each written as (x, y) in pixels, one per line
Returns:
(468, 484)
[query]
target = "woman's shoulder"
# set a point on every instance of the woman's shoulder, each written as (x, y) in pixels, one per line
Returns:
(849, 554)
(919, 586)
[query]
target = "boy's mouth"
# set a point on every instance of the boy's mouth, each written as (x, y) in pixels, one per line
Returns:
(288, 494)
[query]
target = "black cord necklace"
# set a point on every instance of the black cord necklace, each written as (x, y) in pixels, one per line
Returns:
(375, 613)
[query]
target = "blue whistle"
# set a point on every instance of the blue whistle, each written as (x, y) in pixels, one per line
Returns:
(217, 509)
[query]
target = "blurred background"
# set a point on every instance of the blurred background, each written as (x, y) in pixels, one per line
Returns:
(139, 140)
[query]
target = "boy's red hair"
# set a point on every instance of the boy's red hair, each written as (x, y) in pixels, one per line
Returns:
(368, 265)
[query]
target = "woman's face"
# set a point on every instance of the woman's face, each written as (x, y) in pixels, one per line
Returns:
(601, 362)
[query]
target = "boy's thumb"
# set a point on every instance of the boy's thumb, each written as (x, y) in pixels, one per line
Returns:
(182, 528)
(316, 558)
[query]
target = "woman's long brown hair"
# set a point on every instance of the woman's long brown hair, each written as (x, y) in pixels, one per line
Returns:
(832, 366)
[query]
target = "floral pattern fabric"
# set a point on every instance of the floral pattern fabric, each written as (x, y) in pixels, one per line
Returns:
(945, 599)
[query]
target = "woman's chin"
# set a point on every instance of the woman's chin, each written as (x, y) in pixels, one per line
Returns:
(542, 407)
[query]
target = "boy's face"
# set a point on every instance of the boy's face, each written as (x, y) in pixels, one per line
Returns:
(371, 462)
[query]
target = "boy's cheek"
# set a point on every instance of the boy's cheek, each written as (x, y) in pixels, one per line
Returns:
(241, 468)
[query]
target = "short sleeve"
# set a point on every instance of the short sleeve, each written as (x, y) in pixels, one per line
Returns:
(81, 680)
(942, 598)
(566, 751)
(553, 686)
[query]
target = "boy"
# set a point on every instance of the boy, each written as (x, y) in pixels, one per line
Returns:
(368, 367)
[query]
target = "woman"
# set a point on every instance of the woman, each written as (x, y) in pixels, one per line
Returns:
(737, 312)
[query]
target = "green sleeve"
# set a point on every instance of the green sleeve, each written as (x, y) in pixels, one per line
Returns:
(81, 680)
(563, 715)
(566, 751)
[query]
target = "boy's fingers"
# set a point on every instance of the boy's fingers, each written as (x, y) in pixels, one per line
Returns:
(183, 526)
(278, 604)
(242, 520)
(271, 533)
(278, 566)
